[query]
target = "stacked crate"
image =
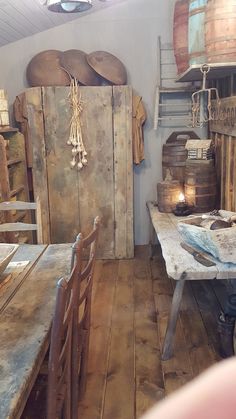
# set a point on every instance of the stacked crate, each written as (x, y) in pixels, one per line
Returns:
(199, 149)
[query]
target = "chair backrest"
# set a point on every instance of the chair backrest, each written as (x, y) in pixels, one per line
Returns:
(10, 227)
(82, 319)
(60, 382)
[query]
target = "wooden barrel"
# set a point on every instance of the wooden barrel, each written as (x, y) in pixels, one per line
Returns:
(196, 36)
(180, 35)
(168, 195)
(174, 156)
(200, 185)
(220, 33)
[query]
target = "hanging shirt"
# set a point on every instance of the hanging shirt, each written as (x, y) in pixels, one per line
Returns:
(139, 117)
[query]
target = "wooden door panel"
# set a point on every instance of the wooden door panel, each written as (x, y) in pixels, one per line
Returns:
(35, 118)
(70, 199)
(62, 180)
(123, 171)
(96, 180)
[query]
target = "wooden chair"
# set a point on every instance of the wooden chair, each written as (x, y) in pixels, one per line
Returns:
(81, 331)
(11, 226)
(58, 371)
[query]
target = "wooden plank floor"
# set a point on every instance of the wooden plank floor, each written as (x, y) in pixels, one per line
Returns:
(131, 302)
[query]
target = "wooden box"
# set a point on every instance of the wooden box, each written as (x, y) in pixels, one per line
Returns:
(199, 149)
(220, 243)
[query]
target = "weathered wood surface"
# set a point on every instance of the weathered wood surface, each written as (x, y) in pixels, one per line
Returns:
(33, 113)
(61, 180)
(179, 263)
(71, 199)
(227, 124)
(225, 147)
(153, 378)
(95, 181)
(219, 243)
(10, 280)
(24, 328)
(123, 169)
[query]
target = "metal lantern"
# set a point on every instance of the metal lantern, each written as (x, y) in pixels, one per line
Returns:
(69, 6)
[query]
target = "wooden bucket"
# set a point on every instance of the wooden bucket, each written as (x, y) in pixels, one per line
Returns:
(220, 33)
(180, 35)
(168, 195)
(196, 36)
(200, 185)
(174, 156)
(4, 114)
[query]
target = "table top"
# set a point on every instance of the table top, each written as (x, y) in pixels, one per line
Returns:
(179, 263)
(27, 300)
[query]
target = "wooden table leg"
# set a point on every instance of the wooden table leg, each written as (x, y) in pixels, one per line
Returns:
(170, 331)
(152, 241)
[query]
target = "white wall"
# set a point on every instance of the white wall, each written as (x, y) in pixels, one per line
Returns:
(130, 32)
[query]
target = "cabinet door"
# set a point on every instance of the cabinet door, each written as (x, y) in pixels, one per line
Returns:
(105, 186)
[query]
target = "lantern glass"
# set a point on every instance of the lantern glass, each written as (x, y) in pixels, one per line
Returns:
(69, 6)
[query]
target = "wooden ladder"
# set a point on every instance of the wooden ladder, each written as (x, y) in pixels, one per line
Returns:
(13, 180)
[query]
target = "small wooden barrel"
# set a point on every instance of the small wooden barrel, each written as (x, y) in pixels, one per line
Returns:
(220, 33)
(196, 36)
(180, 35)
(174, 156)
(200, 185)
(4, 114)
(168, 195)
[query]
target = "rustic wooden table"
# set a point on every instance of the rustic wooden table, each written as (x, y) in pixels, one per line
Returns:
(181, 266)
(27, 299)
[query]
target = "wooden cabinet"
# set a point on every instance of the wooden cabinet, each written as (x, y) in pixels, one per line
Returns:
(70, 198)
(13, 180)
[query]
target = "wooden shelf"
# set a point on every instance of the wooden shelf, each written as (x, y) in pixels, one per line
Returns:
(4, 130)
(217, 71)
(13, 179)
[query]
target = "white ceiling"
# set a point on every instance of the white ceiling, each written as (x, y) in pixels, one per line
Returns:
(22, 18)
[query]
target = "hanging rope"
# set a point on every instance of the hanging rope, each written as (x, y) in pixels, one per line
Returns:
(79, 154)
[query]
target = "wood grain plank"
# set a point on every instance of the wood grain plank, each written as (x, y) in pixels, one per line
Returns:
(209, 308)
(148, 368)
(24, 329)
(233, 175)
(95, 181)
(29, 253)
(123, 171)
(106, 272)
(120, 380)
(39, 167)
(62, 180)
